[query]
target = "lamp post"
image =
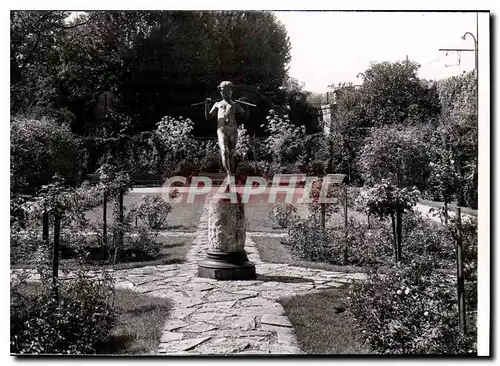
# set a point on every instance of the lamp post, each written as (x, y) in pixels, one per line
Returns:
(475, 66)
(475, 47)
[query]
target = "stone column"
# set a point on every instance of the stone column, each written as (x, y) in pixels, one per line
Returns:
(226, 258)
(327, 119)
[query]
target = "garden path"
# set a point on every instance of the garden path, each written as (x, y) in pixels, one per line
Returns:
(227, 317)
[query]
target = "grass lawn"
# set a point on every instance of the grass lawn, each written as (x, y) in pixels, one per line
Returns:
(173, 250)
(257, 217)
(321, 324)
(139, 324)
(272, 250)
(183, 217)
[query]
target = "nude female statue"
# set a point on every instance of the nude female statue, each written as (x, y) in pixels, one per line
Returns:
(227, 129)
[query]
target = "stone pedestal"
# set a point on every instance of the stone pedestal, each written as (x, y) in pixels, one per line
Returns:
(226, 258)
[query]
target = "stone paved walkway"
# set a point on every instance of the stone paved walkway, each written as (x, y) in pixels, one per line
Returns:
(227, 317)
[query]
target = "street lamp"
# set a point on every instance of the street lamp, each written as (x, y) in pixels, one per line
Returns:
(475, 46)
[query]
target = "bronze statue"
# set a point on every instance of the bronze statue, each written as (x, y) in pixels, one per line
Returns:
(227, 128)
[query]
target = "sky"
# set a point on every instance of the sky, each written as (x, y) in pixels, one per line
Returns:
(333, 47)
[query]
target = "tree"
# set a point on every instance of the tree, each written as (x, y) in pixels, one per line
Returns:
(386, 199)
(393, 94)
(187, 54)
(301, 112)
(92, 65)
(284, 143)
(150, 64)
(349, 130)
(33, 37)
(316, 99)
(396, 153)
(40, 149)
(458, 132)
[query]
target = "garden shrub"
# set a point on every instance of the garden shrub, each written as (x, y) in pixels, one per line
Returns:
(144, 153)
(243, 170)
(85, 248)
(365, 246)
(310, 242)
(459, 132)
(140, 245)
(314, 154)
(76, 324)
(372, 245)
(315, 195)
(258, 151)
(18, 216)
(426, 239)
(469, 245)
(243, 144)
(185, 169)
(385, 198)
(422, 238)
(409, 309)
(176, 141)
(282, 214)
(41, 148)
(23, 244)
(284, 142)
(153, 212)
(74, 245)
(139, 242)
(211, 163)
(353, 199)
(388, 200)
(396, 153)
(316, 168)
(444, 180)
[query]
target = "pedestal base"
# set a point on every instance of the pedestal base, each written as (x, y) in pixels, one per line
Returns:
(227, 266)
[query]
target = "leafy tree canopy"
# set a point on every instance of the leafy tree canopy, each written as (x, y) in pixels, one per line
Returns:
(152, 63)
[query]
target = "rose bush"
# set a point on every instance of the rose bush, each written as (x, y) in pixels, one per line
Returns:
(282, 214)
(76, 324)
(410, 309)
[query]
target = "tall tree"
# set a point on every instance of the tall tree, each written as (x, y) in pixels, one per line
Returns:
(458, 130)
(398, 153)
(149, 63)
(299, 109)
(350, 128)
(33, 57)
(393, 94)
